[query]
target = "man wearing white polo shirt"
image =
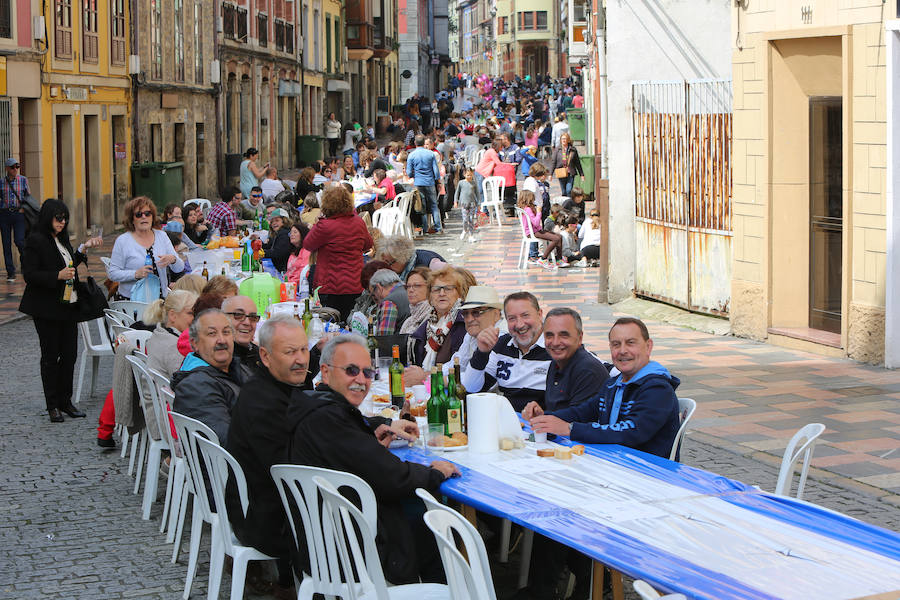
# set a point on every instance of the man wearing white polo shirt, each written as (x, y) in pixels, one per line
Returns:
(518, 361)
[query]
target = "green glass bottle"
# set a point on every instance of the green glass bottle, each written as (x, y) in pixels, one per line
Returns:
(398, 394)
(461, 393)
(435, 406)
(307, 316)
(246, 258)
(454, 407)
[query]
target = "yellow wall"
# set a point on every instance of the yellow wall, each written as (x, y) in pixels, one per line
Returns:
(108, 95)
(778, 62)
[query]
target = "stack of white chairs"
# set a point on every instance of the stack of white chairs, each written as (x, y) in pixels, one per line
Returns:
(91, 350)
(404, 204)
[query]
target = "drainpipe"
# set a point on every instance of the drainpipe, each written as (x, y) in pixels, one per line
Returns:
(220, 156)
(604, 101)
(134, 87)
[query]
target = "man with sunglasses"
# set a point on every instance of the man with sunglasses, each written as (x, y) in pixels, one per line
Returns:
(330, 432)
(13, 191)
(252, 207)
(241, 310)
(480, 310)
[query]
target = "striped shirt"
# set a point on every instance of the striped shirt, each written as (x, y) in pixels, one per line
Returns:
(520, 377)
(11, 200)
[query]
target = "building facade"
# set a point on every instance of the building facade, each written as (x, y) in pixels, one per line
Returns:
(811, 162)
(476, 35)
(528, 38)
(416, 29)
(174, 98)
(83, 121)
(259, 61)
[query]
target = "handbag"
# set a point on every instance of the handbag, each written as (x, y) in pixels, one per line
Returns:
(147, 289)
(561, 172)
(91, 299)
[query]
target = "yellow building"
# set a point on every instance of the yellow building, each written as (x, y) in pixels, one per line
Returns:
(84, 115)
(809, 156)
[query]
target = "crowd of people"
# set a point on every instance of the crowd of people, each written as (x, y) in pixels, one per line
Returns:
(271, 397)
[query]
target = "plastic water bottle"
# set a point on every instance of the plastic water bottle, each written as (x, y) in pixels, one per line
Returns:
(316, 330)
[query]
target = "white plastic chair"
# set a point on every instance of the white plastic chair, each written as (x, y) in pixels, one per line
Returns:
(115, 317)
(93, 352)
(648, 593)
(219, 464)
(106, 261)
(491, 187)
(528, 238)
(138, 337)
(203, 203)
(146, 385)
(466, 579)
(131, 308)
(686, 408)
(404, 202)
(806, 440)
(175, 482)
(188, 431)
(477, 553)
(387, 220)
(357, 552)
(299, 494)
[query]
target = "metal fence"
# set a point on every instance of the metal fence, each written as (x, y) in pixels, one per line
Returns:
(682, 171)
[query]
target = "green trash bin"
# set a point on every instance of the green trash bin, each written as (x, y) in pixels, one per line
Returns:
(310, 148)
(577, 126)
(587, 181)
(162, 182)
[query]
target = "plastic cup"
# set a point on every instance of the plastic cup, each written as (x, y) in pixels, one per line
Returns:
(540, 438)
(434, 438)
(422, 424)
(384, 369)
(420, 394)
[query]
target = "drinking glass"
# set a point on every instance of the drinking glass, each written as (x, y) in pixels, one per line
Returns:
(384, 369)
(434, 438)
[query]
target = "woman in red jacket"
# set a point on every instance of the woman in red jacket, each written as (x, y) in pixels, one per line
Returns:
(339, 237)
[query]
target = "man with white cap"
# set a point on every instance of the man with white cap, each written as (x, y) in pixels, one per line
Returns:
(13, 190)
(481, 309)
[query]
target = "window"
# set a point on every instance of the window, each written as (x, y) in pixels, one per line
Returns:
(117, 32)
(289, 38)
(229, 21)
(89, 38)
(279, 35)
(304, 31)
(328, 62)
(6, 18)
(242, 24)
(533, 20)
(178, 14)
(63, 32)
(262, 29)
(198, 43)
(578, 13)
(337, 44)
(317, 51)
(503, 26)
(156, 39)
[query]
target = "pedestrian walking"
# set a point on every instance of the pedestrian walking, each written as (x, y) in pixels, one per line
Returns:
(49, 266)
(333, 134)
(13, 191)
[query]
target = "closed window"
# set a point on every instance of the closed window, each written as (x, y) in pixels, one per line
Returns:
(262, 29)
(63, 29)
(198, 43)
(178, 14)
(117, 52)
(6, 18)
(156, 39)
(89, 38)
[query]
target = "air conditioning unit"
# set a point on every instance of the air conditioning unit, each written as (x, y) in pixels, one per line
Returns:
(38, 28)
(134, 64)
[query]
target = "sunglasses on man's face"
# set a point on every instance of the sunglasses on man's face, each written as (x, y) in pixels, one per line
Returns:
(143, 213)
(354, 370)
(256, 195)
(240, 316)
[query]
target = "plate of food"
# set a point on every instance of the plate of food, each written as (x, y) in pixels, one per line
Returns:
(451, 443)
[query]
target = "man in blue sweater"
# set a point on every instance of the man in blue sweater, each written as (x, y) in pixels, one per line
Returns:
(422, 166)
(636, 408)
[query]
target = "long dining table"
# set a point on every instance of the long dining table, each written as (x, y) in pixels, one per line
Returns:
(679, 528)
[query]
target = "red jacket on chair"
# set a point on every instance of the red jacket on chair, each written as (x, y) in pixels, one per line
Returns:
(340, 242)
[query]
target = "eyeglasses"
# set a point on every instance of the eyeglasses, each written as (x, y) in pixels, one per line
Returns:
(414, 286)
(240, 316)
(61, 217)
(14, 166)
(474, 312)
(595, 215)
(354, 370)
(437, 289)
(143, 213)
(256, 195)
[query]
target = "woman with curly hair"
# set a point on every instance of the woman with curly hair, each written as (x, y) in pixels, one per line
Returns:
(339, 238)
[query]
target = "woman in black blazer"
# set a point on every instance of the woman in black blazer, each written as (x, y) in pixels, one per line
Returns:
(46, 268)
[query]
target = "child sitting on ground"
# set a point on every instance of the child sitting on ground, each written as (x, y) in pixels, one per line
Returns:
(467, 201)
(570, 245)
(552, 220)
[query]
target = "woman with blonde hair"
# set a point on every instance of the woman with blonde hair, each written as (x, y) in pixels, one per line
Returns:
(190, 282)
(442, 333)
(171, 317)
(591, 236)
(566, 157)
(220, 285)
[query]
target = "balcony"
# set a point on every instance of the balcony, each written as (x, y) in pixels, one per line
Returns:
(383, 44)
(360, 30)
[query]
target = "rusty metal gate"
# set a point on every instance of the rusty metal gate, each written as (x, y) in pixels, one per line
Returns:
(682, 180)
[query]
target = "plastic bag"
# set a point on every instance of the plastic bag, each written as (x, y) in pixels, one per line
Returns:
(147, 289)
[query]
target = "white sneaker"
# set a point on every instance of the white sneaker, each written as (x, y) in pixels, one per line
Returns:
(462, 236)
(581, 263)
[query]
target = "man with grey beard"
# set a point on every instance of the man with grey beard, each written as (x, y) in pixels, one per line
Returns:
(210, 378)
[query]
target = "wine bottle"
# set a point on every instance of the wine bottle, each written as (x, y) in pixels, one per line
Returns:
(398, 395)
(246, 257)
(307, 316)
(205, 272)
(454, 407)
(435, 407)
(461, 393)
(68, 288)
(373, 347)
(445, 400)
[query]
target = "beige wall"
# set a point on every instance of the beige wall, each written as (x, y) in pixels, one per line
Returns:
(777, 60)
